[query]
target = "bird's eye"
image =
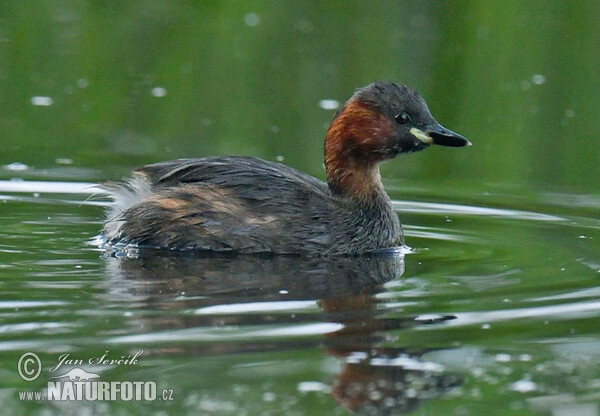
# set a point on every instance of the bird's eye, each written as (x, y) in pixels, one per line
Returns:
(402, 118)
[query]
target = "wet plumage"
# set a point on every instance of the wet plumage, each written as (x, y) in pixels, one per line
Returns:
(249, 205)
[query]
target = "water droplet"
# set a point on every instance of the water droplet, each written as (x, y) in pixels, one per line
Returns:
(523, 386)
(36, 194)
(329, 104)
(283, 292)
(538, 79)
(252, 19)
(42, 101)
(82, 83)
(308, 386)
(478, 371)
(269, 396)
(502, 358)
(279, 158)
(159, 92)
(16, 166)
(485, 326)
(375, 395)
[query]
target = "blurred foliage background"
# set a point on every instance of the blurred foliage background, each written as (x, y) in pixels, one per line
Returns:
(114, 84)
(90, 89)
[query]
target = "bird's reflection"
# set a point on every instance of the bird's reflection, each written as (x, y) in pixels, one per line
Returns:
(373, 380)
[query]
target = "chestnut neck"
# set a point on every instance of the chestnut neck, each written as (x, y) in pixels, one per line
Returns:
(351, 153)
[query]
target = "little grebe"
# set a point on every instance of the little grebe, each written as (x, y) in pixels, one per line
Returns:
(248, 205)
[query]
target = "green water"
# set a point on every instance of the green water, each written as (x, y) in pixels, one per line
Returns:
(495, 310)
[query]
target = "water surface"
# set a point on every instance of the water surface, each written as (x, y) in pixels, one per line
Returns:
(493, 310)
(493, 305)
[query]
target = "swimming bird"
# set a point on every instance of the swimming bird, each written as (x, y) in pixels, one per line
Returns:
(247, 205)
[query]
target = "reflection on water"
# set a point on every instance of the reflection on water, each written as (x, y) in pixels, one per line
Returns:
(497, 311)
(334, 298)
(498, 306)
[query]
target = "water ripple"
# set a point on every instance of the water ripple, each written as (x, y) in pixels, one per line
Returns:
(567, 311)
(447, 209)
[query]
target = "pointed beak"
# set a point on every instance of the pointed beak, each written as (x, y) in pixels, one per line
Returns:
(437, 134)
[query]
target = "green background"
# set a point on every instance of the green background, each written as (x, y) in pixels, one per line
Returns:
(506, 233)
(519, 78)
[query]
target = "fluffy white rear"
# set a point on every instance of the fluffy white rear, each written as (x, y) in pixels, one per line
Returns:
(125, 196)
